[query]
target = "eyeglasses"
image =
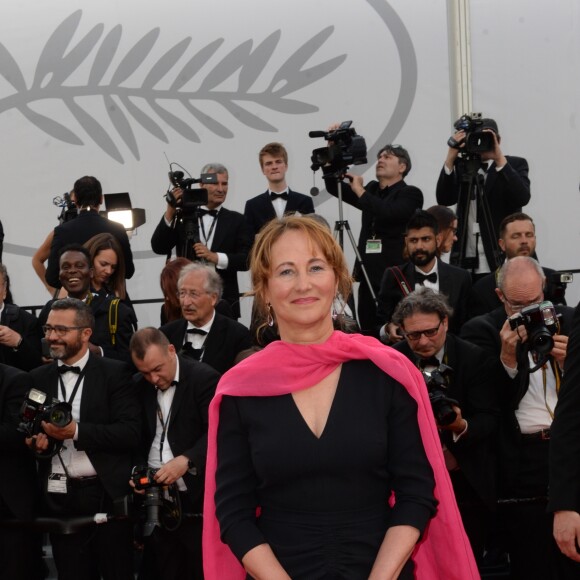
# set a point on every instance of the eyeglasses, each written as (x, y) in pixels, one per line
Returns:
(520, 307)
(193, 294)
(60, 330)
(429, 333)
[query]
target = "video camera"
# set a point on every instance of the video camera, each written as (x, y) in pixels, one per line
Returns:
(476, 140)
(69, 209)
(436, 381)
(191, 198)
(347, 148)
(541, 323)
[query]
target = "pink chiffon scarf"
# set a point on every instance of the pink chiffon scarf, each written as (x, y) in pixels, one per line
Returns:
(281, 368)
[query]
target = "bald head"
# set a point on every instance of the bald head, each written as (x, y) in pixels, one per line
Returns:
(520, 283)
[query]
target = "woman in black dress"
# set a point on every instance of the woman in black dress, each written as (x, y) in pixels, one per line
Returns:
(317, 437)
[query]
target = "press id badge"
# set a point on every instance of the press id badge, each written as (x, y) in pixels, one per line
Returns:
(374, 246)
(56, 483)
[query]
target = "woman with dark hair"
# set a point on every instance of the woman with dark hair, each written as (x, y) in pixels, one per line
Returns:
(108, 266)
(171, 309)
(447, 223)
(323, 455)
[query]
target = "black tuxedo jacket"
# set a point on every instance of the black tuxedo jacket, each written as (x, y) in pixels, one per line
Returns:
(565, 437)
(28, 355)
(483, 298)
(259, 210)
(484, 332)
(117, 347)
(506, 192)
(385, 213)
(18, 485)
(454, 282)
(109, 427)
(80, 230)
(225, 340)
(231, 237)
(187, 429)
(472, 384)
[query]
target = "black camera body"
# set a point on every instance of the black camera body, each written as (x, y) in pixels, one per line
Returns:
(143, 477)
(477, 140)
(347, 148)
(161, 502)
(34, 410)
(541, 323)
(441, 403)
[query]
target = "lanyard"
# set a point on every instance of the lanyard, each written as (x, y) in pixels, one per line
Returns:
(206, 238)
(164, 425)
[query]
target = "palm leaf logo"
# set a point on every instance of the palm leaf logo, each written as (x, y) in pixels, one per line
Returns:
(146, 104)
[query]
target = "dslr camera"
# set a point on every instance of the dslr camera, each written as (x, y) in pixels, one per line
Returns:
(541, 323)
(441, 404)
(34, 410)
(347, 148)
(160, 511)
(477, 140)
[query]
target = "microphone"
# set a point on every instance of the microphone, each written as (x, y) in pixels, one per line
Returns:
(314, 134)
(314, 191)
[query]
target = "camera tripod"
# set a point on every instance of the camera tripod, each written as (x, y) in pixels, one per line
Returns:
(472, 189)
(342, 225)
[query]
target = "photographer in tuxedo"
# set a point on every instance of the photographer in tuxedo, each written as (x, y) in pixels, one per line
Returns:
(530, 340)
(506, 189)
(175, 392)
(469, 375)
(86, 464)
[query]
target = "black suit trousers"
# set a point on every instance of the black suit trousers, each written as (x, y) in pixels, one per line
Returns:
(533, 552)
(105, 549)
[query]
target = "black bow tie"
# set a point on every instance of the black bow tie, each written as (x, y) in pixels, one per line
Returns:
(212, 212)
(420, 278)
(274, 196)
(66, 369)
(197, 331)
(432, 361)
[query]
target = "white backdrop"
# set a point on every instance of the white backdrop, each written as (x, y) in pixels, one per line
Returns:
(107, 89)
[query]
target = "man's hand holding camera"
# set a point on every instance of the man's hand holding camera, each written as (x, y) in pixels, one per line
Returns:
(511, 338)
(177, 193)
(172, 470)
(356, 183)
(458, 426)
(41, 442)
(509, 343)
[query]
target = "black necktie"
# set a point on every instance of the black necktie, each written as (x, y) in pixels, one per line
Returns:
(420, 278)
(274, 196)
(212, 212)
(197, 331)
(66, 369)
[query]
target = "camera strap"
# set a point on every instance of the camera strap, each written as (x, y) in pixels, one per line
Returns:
(557, 374)
(75, 388)
(401, 280)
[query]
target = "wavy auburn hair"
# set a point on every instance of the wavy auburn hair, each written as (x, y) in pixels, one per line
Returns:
(317, 233)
